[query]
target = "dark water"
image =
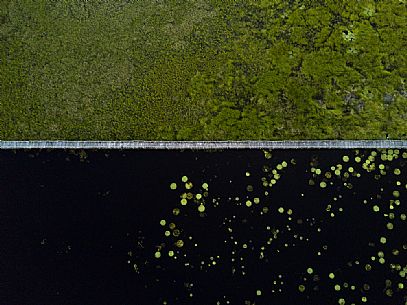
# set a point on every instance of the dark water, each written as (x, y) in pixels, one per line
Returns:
(84, 228)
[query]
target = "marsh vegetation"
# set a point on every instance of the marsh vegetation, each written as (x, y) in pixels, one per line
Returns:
(202, 69)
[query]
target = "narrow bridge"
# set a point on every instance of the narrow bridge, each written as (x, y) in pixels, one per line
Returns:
(301, 144)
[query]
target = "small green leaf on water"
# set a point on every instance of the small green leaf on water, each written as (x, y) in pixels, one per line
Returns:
(337, 287)
(368, 267)
(267, 154)
(173, 186)
(179, 243)
(265, 210)
(176, 232)
(184, 178)
(301, 288)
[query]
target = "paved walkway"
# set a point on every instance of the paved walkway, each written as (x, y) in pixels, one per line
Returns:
(327, 144)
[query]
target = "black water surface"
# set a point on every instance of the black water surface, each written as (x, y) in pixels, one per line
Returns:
(84, 227)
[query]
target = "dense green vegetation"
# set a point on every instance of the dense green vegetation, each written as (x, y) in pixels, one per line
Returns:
(203, 69)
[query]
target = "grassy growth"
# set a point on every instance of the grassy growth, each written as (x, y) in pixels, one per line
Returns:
(202, 69)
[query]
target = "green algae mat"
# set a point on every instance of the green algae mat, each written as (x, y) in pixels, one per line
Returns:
(202, 69)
